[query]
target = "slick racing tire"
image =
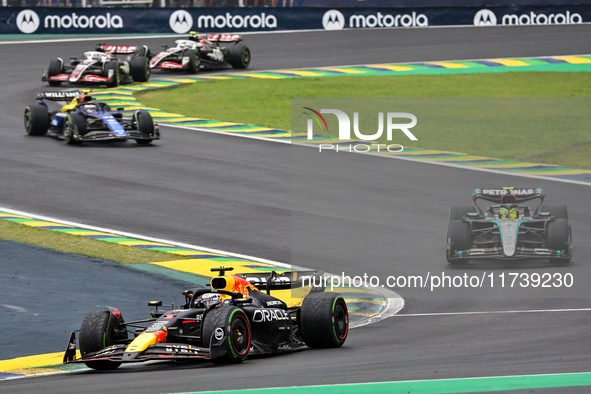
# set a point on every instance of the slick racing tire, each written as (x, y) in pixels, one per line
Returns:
(324, 320)
(55, 68)
(234, 323)
(74, 127)
(558, 236)
(458, 238)
(36, 120)
(140, 69)
(145, 125)
(115, 80)
(558, 211)
(458, 213)
(100, 329)
(239, 56)
(194, 60)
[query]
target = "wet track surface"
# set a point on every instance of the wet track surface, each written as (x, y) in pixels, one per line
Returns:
(234, 194)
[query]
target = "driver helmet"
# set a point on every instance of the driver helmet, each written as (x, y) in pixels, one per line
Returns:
(513, 213)
(90, 107)
(208, 300)
(503, 213)
(85, 98)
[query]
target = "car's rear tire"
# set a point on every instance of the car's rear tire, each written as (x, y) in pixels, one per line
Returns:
(36, 120)
(239, 56)
(55, 68)
(324, 320)
(140, 69)
(234, 323)
(112, 66)
(558, 211)
(457, 213)
(558, 237)
(458, 238)
(194, 60)
(100, 329)
(74, 126)
(145, 125)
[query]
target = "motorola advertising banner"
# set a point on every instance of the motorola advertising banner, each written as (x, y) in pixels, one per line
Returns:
(205, 20)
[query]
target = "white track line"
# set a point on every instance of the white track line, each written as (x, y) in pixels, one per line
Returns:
(493, 312)
(132, 235)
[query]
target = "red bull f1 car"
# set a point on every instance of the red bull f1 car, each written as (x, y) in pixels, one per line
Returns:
(83, 120)
(225, 324)
(199, 52)
(509, 228)
(102, 66)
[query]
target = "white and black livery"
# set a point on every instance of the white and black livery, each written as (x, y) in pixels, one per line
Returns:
(199, 52)
(81, 119)
(224, 324)
(509, 228)
(102, 66)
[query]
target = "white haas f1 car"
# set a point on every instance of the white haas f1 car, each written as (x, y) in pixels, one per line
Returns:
(198, 52)
(224, 324)
(509, 228)
(102, 66)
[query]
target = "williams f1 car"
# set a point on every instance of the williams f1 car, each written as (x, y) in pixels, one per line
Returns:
(84, 120)
(509, 228)
(198, 52)
(225, 323)
(102, 66)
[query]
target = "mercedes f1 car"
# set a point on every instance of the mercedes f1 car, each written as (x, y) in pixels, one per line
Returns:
(509, 228)
(198, 52)
(83, 120)
(224, 324)
(102, 66)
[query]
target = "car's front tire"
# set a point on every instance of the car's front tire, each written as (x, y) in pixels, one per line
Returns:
(558, 237)
(100, 329)
(145, 125)
(458, 238)
(234, 323)
(140, 69)
(239, 56)
(74, 127)
(55, 68)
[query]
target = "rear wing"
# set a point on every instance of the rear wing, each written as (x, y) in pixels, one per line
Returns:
(118, 49)
(508, 195)
(224, 37)
(280, 281)
(61, 95)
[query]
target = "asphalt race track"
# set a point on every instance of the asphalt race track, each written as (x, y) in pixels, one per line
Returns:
(234, 194)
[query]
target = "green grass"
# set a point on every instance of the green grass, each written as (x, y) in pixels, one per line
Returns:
(480, 126)
(69, 243)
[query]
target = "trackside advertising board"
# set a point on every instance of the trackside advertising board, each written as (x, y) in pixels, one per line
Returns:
(181, 21)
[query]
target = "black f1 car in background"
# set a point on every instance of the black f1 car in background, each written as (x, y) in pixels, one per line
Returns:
(198, 52)
(82, 119)
(224, 324)
(509, 229)
(102, 66)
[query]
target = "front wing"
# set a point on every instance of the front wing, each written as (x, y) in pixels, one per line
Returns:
(160, 351)
(497, 253)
